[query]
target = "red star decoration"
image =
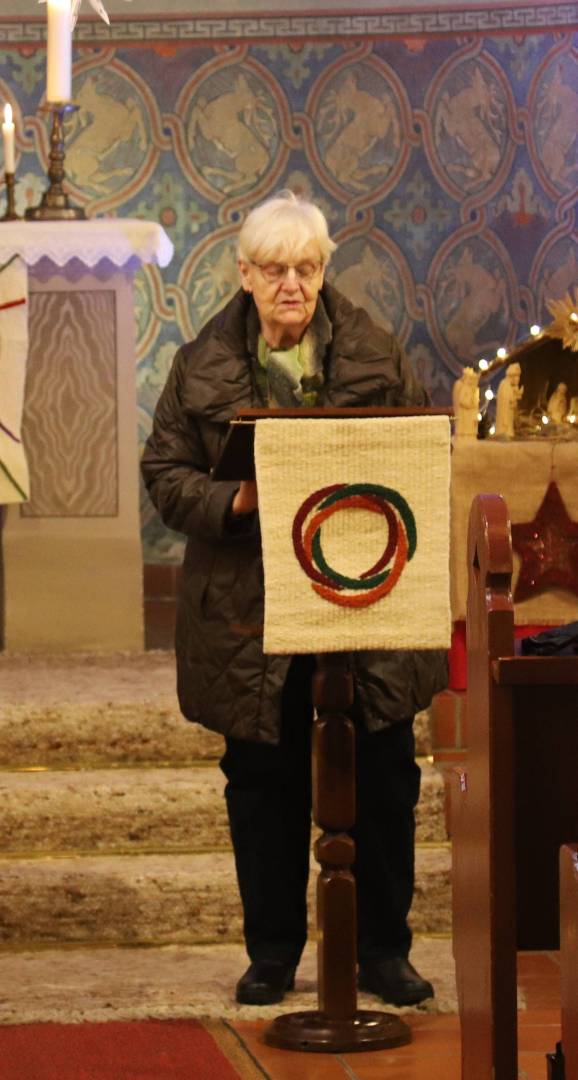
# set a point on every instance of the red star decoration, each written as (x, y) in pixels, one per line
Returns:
(548, 547)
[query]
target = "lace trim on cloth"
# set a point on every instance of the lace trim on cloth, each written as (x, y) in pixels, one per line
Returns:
(120, 241)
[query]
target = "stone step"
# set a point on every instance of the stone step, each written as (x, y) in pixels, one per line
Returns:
(95, 710)
(142, 810)
(70, 736)
(161, 899)
(96, 735)
(80, 985)
(104, 709)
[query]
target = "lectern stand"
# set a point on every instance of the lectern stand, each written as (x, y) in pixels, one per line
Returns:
(337, 1026)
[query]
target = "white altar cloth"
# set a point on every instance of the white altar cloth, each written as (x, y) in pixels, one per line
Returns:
(119, 240)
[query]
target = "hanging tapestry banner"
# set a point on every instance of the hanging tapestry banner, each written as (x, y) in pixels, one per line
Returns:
(14, 481)
(355, 525)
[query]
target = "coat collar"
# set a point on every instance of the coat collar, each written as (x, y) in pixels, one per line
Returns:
(217, 377)
(218, 373)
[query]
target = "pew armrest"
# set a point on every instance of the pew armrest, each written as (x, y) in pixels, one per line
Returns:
(535, 670)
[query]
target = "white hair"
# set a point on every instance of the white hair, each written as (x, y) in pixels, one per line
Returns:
(280, 228)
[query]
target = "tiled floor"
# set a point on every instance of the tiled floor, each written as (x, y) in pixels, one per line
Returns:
(434, 1053)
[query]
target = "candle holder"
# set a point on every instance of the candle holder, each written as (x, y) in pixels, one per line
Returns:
(54, 205)
(10, 214)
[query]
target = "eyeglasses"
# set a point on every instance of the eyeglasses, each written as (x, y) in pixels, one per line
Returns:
(275, 272)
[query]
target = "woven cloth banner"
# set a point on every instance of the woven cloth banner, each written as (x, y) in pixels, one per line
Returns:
(14, 482)
(355, 525)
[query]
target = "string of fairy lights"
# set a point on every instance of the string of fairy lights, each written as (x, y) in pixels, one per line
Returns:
(564, 327)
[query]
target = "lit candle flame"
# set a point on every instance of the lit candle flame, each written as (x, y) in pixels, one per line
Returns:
(8, 134)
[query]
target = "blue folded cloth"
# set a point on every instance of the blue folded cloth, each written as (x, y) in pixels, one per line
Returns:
(559, 641)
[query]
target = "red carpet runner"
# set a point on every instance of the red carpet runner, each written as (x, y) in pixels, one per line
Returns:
(141, 1050)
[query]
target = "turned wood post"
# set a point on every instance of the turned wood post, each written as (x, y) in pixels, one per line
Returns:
(337, 1026)
(334, 812)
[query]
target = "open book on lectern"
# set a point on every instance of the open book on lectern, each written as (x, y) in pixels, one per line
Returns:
(237, 460)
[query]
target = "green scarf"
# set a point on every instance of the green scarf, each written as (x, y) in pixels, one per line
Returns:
(290, 378)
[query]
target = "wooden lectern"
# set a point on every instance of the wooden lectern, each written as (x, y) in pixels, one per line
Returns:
(337, 1026)
(512, 807)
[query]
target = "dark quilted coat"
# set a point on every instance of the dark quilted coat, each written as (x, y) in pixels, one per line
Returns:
(224, 680)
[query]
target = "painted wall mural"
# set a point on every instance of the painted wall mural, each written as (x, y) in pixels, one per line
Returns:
(447, 168)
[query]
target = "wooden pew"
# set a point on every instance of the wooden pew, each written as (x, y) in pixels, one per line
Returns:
(569, 957)
(563, 1063)
(512, 807)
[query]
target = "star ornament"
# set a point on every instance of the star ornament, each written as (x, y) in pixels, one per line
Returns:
(548, 548)
(565, 324)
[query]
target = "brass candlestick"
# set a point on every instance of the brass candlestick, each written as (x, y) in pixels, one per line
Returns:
(10, 214)
(54, 205)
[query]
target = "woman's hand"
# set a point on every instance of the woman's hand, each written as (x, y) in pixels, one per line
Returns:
(245, 500)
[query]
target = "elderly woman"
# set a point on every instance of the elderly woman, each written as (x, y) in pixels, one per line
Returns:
(286, 338)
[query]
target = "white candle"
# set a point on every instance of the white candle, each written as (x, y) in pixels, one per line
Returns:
(8, 135)
(59, 51)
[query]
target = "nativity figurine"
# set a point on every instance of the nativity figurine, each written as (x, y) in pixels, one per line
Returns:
(466, 404)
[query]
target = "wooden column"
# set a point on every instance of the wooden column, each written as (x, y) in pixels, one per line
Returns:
(334, 812)
(337, 1025)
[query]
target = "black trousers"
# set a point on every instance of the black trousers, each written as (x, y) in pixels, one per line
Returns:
(269, 805)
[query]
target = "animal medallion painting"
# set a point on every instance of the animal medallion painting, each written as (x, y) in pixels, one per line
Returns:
(108, 137)
(441, 146)
(354, 517)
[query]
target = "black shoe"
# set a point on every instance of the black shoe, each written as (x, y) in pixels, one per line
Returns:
(395, 980)
(265, 982)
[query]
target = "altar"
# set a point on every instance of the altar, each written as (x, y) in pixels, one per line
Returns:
(72, 562)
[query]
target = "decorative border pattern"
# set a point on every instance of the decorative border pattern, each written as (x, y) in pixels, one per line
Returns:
(481, 20)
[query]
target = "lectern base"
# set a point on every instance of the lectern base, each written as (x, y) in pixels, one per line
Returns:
(314, 1032)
